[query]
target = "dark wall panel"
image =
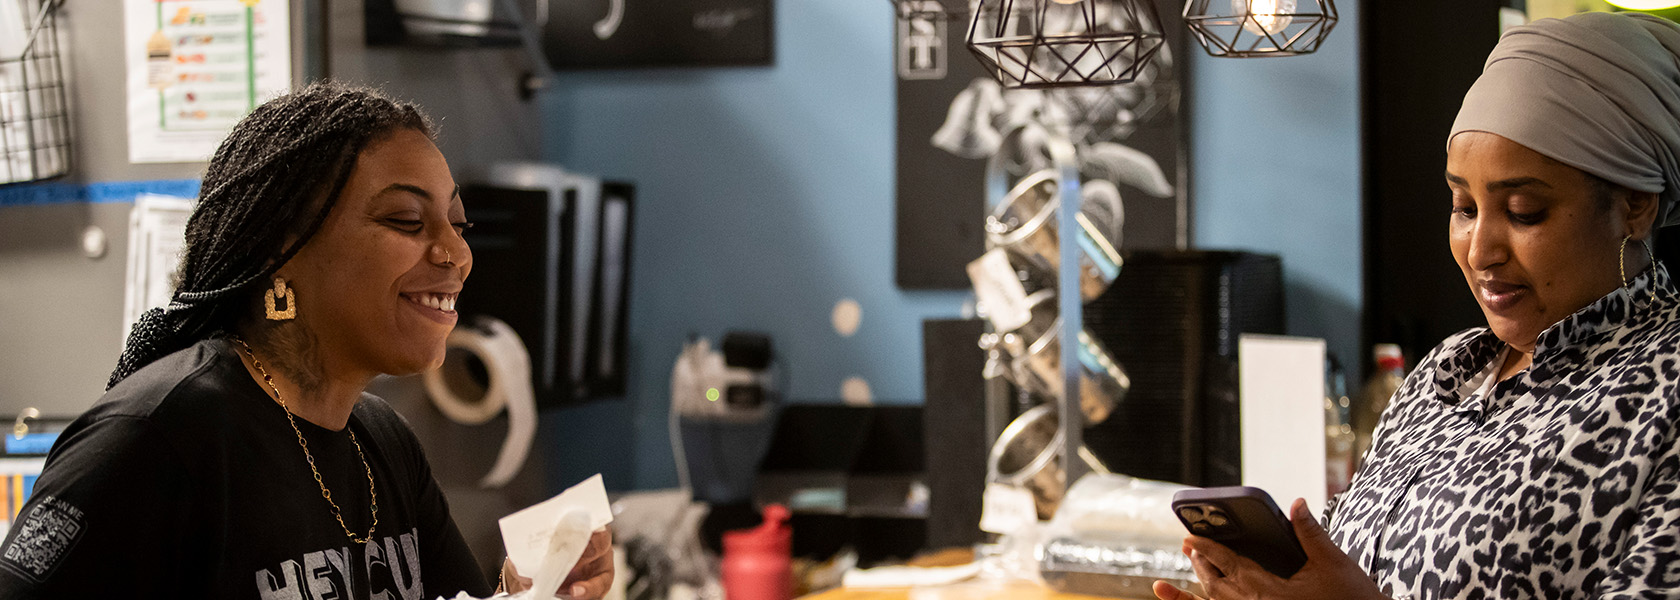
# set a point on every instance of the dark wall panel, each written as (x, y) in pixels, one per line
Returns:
(1419, 62)
(941, 203)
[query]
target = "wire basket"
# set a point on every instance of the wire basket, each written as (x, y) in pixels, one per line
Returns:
(34, 107)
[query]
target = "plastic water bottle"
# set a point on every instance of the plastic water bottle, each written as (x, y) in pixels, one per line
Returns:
(1378, 390)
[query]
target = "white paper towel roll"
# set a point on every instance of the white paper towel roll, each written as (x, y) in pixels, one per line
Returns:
(509, 366)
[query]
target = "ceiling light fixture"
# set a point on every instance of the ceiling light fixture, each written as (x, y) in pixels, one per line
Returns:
(1041, 44)
(1260, 28)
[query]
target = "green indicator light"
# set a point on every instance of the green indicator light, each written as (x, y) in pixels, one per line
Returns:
(712, 394)
(1645, 4)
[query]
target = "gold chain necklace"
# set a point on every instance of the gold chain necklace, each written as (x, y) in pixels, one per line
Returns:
(325, 493)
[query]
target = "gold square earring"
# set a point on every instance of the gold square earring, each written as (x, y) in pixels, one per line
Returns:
(272, 297)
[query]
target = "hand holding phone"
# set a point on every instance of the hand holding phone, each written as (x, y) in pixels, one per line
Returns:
(1245, 520)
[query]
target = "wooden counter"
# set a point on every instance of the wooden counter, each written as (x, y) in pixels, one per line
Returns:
(961, 591)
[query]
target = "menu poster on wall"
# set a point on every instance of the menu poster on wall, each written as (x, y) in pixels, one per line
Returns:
(196, 67)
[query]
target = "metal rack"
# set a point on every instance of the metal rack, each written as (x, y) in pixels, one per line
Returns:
(1062, 159)
(34, 107)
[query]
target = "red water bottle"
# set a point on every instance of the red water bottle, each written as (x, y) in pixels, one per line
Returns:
(758, 562)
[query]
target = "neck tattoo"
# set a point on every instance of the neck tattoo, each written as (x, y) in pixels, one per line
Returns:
(325, 493)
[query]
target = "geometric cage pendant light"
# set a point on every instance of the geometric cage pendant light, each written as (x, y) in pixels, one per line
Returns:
(1042, 44)
(1260, 28)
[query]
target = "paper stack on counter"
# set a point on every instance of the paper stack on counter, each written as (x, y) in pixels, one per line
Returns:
(546, 540)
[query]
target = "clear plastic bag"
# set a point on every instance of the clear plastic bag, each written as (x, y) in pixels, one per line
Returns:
(1114, 536)
(1118, 509)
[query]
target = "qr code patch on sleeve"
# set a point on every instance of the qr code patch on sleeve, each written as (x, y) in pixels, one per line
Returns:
(43, 537)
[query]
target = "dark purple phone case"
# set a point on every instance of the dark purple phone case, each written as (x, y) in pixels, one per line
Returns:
(1259, 532)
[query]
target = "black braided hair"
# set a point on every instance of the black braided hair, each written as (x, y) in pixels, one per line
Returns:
(273, 179)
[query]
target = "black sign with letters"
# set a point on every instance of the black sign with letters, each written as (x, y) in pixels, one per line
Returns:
(584, 34)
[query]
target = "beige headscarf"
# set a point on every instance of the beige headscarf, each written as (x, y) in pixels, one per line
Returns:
(1596, 91)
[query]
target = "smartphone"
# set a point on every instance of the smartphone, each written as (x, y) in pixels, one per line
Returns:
(1245, 520)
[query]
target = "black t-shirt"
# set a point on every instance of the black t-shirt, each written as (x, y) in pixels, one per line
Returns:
(185, 481)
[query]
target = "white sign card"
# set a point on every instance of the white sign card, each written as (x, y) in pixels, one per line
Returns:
(157, 232)
(196, 67)
(1281, 388)
(1007, 509)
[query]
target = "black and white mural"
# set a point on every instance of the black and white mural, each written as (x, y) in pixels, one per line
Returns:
(953, 116)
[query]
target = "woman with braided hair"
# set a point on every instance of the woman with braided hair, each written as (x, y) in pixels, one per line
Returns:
(235, 453)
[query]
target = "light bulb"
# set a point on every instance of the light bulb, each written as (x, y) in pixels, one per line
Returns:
(1264, 17)
(1645, 4)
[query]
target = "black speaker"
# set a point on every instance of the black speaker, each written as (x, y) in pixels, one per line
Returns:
(1172, 319)
(522, 275)
(564, 293)
(954, 418)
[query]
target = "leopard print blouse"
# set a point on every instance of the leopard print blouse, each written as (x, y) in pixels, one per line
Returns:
(1563, 483)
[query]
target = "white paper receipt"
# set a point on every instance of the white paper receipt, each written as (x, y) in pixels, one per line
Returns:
(529, 534)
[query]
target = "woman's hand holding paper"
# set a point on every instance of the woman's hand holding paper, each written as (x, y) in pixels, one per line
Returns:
(589, 580)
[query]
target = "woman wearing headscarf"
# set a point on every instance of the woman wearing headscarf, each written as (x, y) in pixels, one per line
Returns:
(1536, 457)
(235, 453)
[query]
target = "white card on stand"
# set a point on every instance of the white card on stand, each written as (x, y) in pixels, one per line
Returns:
(1007, 509)
(1281, 387)
(526, 534)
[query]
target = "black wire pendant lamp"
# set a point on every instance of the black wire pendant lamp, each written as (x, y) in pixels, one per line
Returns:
(1260, 28)
(1041, 44)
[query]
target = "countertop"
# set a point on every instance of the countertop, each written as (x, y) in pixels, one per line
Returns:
(960, 591)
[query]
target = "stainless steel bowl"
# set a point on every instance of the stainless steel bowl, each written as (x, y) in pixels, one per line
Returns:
(1027, 455)
(1103, 383)
(1025, 225)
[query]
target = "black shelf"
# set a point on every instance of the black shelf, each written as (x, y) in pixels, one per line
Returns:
(385, 26)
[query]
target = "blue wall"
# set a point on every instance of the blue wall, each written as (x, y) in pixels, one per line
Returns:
(766, 196)
(1275, 158)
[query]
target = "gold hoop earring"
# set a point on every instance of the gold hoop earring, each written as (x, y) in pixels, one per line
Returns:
(1621, 259)
(272, 297)
(1652, 255)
